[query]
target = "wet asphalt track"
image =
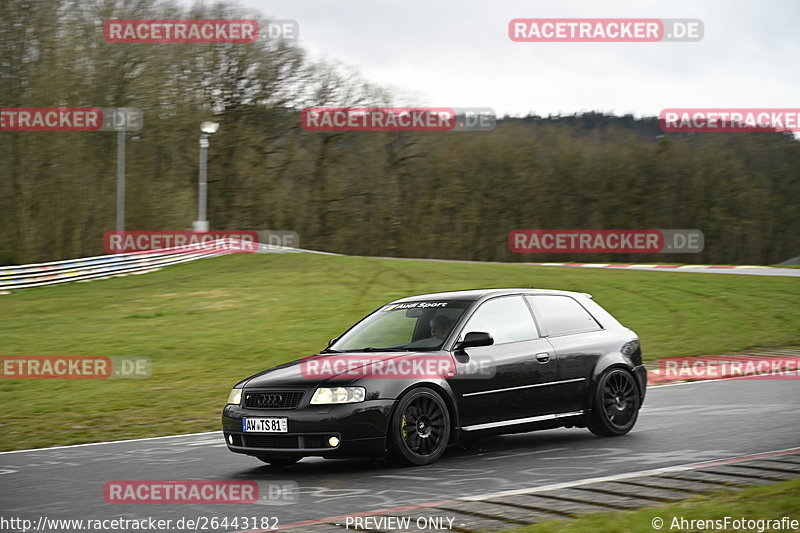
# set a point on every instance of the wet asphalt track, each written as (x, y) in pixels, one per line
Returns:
(678, 425)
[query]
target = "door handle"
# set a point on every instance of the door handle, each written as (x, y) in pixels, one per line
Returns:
(543, 357)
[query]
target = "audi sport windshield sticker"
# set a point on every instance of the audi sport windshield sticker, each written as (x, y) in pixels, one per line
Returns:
(413, 305)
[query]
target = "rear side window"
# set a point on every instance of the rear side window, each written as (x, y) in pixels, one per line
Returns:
(562, 315)
(506, 319)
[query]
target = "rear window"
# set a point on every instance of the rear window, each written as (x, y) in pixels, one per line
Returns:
(563, 315)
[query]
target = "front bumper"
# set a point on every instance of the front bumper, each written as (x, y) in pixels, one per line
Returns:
(360, 427)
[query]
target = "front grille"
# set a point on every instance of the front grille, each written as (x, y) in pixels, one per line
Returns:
(283, 442)
(272, 399)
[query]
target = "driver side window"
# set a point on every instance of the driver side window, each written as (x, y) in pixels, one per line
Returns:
(506, 319)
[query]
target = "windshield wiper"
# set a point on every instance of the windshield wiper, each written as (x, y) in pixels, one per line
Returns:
(384, 349)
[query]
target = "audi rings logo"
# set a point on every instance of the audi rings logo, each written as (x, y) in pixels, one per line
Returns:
(265, 400)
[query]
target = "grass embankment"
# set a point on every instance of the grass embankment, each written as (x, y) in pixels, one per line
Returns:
(769, 502)
(209, 323)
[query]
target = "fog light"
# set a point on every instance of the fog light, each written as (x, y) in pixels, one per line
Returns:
(230, 439)
(333, 441)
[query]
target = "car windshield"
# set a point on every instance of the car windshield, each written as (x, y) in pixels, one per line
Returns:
(405, 326)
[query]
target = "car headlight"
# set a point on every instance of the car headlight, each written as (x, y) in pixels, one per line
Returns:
(235, 397)
(326, 395)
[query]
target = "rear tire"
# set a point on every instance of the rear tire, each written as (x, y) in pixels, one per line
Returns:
(616, 404)
(278, 460)
(419, 430)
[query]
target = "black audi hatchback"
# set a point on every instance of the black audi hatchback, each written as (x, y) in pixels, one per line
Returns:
(426, 371)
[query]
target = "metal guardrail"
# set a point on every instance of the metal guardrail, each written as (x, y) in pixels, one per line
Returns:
(105, 266)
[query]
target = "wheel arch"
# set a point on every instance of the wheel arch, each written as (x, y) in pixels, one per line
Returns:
(605, 364)
(444, 392)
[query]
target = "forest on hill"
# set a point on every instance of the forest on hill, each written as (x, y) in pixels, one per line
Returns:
(453, 195)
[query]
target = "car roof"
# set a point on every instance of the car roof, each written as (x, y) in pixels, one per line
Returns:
(473, 295)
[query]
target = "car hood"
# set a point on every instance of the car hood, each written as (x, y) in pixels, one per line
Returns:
(320, 368)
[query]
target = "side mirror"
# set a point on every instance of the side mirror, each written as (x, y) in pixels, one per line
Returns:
(330, 342)
(473, 339)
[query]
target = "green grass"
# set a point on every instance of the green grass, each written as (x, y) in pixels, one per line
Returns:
(207, 324)
(770, 502)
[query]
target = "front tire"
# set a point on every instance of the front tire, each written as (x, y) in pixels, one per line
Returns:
(616, 404)
(419, 430)
(278, 460)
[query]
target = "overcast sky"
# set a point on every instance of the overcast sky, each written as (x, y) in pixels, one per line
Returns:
(457, 53)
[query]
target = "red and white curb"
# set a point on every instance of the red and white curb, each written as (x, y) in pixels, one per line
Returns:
(656, 375)
(638, 265)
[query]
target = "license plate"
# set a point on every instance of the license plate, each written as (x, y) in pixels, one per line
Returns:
(265, 425)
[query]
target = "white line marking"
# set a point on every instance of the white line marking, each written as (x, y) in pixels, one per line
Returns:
(111, 442)
(418, 478)
(731, 378)
(618, 477)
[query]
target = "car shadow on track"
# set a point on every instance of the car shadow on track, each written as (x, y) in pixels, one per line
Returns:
(496, 448)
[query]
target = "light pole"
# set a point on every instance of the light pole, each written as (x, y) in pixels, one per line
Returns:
(207, 128)
(121, 120)
(121, 178)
